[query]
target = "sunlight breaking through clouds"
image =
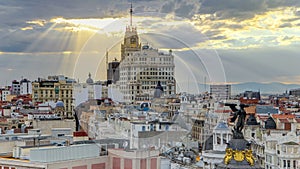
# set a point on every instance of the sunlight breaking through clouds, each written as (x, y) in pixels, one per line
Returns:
(271, 28)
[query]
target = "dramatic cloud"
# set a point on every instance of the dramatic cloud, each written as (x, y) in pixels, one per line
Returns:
(264, 33)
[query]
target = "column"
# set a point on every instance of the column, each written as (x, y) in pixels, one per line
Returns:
(221, 138)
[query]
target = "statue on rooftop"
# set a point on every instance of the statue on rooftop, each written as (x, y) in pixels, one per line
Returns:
(240, 115)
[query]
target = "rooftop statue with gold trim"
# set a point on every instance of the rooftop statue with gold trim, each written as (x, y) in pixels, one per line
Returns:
(238, 152)
(239, 156)
(228, 155)
(249, 157)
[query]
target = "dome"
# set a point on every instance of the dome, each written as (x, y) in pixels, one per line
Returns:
(270, 123)
(221, 126)
(251, 120)
(60, 104)
(89, 80)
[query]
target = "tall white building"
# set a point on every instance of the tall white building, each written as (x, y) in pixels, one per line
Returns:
(25, 87)
(142, 68)
(221, 91)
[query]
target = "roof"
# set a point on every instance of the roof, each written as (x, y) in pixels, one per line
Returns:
(290, 143)
(251, 120)
(283, 116)
(250, 110)
(221, 126)
(223, 111)
(270, 123)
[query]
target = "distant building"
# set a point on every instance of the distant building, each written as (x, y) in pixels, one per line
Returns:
(113, 72)
(25, 87)
(15, 87)
(295, 92)
(251, 95)
(83, 92)
(4, 92)
(221, 92)
(53, 89)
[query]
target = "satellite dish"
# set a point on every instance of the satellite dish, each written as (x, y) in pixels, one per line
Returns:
(125, 144)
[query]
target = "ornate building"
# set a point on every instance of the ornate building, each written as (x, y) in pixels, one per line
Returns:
(142, 67)
(53, 89)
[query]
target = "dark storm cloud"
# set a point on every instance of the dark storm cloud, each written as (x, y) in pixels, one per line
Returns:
(242, 9)
(282, 3)
(212, 6)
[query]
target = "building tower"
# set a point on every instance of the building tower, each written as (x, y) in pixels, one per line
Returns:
(142, 67)
(131, 40)
(113, 72)
(215, 154)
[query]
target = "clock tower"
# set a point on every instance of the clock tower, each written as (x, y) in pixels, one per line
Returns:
(131, 40)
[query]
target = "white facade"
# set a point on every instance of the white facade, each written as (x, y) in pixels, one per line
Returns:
(142, 67)
(82, 92)
(190, 107)
(162, 132)
(282, 152)
(4, 94)
(141, 70)
(25, 87)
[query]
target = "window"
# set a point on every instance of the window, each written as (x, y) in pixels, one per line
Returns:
(167, 127)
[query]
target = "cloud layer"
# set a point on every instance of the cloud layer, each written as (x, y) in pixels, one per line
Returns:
(243, 33)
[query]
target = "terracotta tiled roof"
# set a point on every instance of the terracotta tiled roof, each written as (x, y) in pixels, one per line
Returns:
(262, 117)
(283, 116)
(250, 110)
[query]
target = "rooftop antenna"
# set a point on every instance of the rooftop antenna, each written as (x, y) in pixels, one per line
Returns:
(106, 58)
(107, 66)
(204, 83)
(131, 11)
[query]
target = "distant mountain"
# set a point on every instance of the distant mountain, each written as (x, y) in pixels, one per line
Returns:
(264, 88)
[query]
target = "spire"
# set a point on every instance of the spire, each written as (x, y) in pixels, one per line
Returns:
(131, 11)
(106, 55)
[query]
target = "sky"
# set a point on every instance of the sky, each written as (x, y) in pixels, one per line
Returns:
(215, 41)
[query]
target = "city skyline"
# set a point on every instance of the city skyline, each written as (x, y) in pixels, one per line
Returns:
(252, 41)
